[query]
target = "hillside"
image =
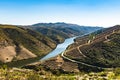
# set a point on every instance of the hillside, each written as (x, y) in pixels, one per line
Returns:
(17, 43)
(100, 49)
(60, 31)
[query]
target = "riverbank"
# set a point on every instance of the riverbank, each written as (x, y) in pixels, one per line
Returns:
(59, 49)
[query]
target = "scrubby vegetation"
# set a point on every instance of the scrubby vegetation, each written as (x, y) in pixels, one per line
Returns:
(60, 31)
(41, 74)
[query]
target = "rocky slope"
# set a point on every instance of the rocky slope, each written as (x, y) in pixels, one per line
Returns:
(17, 43)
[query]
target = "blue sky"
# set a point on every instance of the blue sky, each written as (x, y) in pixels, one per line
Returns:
(83, 12)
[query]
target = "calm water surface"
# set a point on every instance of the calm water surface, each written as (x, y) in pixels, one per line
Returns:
(60, 48)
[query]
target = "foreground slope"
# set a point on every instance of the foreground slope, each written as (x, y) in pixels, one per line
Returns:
(18, 43)
(43, 74)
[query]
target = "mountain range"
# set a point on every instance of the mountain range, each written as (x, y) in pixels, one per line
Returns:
(60, 31)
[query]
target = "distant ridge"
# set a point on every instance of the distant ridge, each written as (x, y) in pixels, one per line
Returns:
(60, 31)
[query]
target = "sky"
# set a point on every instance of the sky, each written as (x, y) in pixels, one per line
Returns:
(105, 13)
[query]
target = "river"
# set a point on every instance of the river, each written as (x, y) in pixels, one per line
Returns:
(59, 49)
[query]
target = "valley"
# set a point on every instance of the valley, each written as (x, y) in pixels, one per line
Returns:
(59, 40)
(25, 42)
(84, 56)
(87, 56)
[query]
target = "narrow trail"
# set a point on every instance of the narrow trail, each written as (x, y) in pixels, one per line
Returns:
(81, 52)
(78, 48)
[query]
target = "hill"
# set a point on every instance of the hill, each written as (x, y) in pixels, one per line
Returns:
(18, 43)
(101, 48)
(60, 31)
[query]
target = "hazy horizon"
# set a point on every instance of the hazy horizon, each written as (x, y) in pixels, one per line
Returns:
(103, 13)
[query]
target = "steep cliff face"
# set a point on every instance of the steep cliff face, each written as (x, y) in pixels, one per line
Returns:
(18, 43)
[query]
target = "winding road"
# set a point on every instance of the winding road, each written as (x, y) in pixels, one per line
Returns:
(62, 54)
